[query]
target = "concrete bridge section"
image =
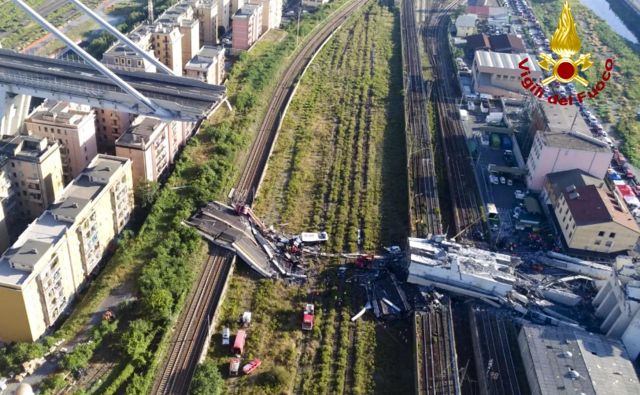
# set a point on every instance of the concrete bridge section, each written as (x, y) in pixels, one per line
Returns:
(174, 98)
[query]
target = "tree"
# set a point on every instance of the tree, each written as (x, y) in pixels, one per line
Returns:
(159, 303)
(52, 384)
(207, 380)
(146, 193)
(79, 357)
(136, 341)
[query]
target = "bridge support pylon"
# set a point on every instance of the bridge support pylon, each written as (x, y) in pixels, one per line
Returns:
(13, 110)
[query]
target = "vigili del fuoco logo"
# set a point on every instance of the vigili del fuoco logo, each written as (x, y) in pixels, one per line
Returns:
(565, 43)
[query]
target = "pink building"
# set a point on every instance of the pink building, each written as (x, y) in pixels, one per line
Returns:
(247, 27)
(558, 151)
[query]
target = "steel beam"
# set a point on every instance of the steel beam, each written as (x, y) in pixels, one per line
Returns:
(159, 65)
(139, 97)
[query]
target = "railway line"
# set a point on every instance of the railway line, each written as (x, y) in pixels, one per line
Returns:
(192, 330)
(425, 206)
(435, 354)
(262, 145)
(467, 213)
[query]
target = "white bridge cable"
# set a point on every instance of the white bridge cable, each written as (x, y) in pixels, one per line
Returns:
(121, 37)
(139, 97)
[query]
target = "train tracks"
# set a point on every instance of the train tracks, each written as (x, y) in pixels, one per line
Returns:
(467, 213)
(192, 330)
(435, 352)
(263, 144)
(425, 206)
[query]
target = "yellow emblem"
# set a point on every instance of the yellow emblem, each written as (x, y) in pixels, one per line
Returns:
(565, 43)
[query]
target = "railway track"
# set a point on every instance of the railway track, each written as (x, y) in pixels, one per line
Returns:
(191, 333)
(192, 330)
(467, 213)
(262, 145)
(424, 202)
(437, 365)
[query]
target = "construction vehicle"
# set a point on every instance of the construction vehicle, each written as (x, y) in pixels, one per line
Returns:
(307, 317)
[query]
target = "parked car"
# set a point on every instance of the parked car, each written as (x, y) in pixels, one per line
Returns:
(226, 336)
(251, 366)
(519, 194)
(503, 180)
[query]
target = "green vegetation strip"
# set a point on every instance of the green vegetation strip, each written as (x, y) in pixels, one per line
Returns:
(621, 99)
(338, 162)
(339, 158)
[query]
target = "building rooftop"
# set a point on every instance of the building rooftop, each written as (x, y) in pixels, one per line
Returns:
(561, 180)
(502, 42)
(574, 140)
(141, 132)
(591, 205)
(55, 112)
(43, 233)
(27, 148)
(204, 58)
(499, 60)
(247, 10)
(466, 20)
(477, 41)
(572, 361)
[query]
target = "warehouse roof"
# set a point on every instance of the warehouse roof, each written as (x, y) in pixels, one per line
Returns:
(466, 20)
(500, 60)
(572, 361)
(574, 140)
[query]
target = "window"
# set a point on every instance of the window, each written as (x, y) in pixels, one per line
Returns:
(566, 227)
(598, 242)
(608, 243)
(13, 164)
(573, 226)
(612, 235)
(570, 234)
(85, 148)
(601, 233)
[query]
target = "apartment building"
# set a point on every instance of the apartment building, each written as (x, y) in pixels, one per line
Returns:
(146, 143)
(152, 145)
(271, 13)
(207, 65)
(224, 14)
(593, 218)
(206, 11)
(110, 125)
(5, 193)
(73, 127)
(247, 27)
(52, 259)
(33, 168)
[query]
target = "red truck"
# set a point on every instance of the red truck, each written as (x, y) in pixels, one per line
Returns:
(238, 343)
(307, 317)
